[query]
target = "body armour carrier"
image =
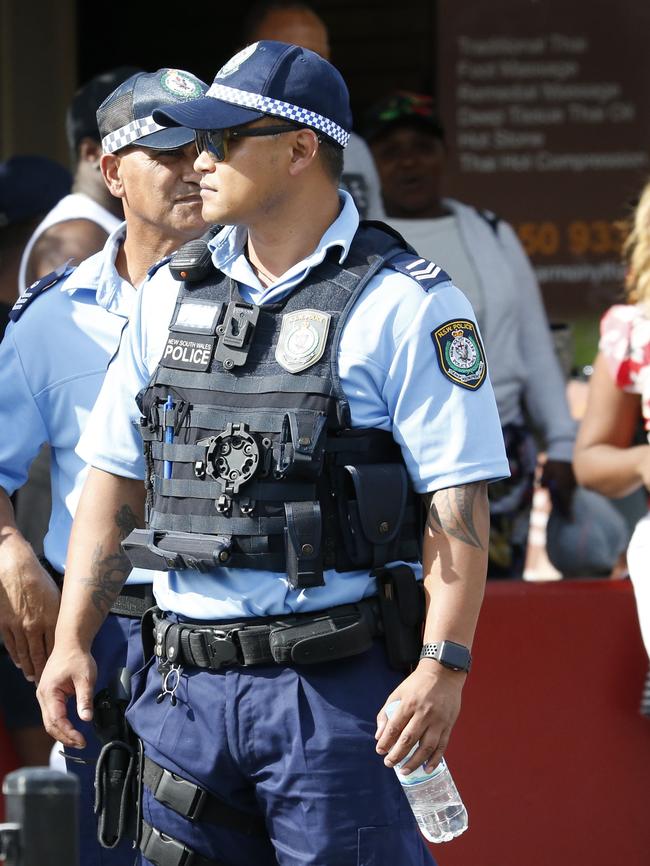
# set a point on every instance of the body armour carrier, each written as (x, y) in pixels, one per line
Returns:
(251, 459)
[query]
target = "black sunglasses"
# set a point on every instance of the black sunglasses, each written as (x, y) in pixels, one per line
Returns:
(215, 141)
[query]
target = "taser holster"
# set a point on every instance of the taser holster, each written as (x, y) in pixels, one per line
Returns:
(117, 776)
(402, 606)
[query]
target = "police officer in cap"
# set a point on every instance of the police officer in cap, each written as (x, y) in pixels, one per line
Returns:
(64, 330)
(301, 392)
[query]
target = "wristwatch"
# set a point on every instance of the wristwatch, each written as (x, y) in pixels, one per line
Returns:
(450, 655)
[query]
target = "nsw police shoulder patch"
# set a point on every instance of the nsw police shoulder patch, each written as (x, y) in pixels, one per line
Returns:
(32, 292)
(460, 353)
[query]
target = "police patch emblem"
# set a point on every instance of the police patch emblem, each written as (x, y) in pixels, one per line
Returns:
(235, 62)
(194, 353)
(303, 335)
(460, 354)
(181, 84)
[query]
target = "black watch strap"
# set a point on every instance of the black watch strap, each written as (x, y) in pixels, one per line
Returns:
(451, 655)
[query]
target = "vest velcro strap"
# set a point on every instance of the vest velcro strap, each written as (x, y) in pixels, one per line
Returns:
(176, 452)
(212, 418)
(232, 384)
(196, 803)
(270, 491)
(162, 850)
(217, 525)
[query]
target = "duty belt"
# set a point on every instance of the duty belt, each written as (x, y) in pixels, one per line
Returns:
(309, 638)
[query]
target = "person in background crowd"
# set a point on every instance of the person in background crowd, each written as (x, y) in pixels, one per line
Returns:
(299, 24)
(29, 186)
(295, 407)
(79, 224)
(610, 456)
(74, 319)
(488, 263)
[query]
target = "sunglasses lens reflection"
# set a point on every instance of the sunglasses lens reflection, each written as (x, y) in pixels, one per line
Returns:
(211, 141)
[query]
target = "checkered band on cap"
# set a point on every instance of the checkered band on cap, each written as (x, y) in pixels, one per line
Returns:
(126, 135)
(281, 109)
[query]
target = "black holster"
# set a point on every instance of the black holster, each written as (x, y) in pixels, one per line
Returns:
(118, 772)
(402, 606)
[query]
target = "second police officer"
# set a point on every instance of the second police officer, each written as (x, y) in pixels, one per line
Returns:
(311, 383)
(53, 359)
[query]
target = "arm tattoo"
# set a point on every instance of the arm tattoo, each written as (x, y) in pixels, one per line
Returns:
(452, 511)
(126, 521)
(109, 571)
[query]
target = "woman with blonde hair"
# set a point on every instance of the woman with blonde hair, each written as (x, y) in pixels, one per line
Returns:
(610, 457)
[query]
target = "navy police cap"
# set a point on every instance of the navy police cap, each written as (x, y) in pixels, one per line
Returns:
(125, 117)
(30, 186)
(270, 78)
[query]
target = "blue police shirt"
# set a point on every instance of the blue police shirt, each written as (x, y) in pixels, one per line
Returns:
(448, 434)
(52, 364)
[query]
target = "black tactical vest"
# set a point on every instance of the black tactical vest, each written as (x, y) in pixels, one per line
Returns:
(251, 459)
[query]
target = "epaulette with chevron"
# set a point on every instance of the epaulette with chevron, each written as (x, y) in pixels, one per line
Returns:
(427, 273)
(32, 292)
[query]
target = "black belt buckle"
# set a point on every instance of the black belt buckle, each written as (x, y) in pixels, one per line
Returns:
(182, 796)
(221, 648)
(163, 849)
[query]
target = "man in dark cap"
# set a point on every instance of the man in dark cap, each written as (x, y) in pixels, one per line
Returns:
(308, 381)
(64, 330)
(80, 223)
(30, 186)
(490, 266)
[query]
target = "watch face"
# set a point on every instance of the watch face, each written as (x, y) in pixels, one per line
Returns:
(454, 655)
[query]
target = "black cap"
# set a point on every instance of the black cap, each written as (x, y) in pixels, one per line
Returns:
(81, 118)
(125, 117)
(30, 186)
(402, 108)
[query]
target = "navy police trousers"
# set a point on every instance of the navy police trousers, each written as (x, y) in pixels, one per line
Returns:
(294, 744)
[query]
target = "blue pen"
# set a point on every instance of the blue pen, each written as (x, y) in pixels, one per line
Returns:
(169, 437)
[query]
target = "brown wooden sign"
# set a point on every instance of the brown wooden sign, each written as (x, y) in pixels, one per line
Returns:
(547, 110)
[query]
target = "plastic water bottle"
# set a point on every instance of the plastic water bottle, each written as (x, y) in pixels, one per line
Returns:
(433, 797)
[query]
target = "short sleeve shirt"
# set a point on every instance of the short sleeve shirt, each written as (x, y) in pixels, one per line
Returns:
(389, 373)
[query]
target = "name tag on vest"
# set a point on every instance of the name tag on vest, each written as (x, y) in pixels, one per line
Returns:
(188, 352)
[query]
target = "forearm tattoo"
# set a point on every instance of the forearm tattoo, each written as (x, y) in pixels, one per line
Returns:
(110, 570)
(451, 511)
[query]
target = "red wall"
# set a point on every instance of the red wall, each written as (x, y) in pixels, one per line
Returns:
(550, 753)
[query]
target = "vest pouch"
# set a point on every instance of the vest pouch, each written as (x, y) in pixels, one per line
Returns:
(302, 538)
(172, 551)
(300, 451)
(375, 502)
(402, 606)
